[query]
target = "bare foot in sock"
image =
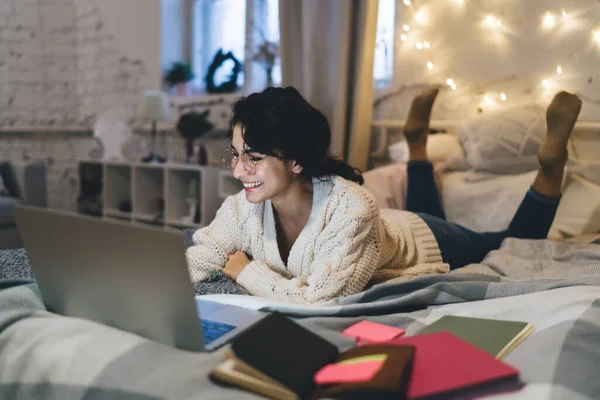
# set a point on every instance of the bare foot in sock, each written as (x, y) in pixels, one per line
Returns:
(560, 119)
(417, 123)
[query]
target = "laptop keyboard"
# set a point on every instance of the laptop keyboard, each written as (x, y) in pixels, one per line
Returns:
(213, 330)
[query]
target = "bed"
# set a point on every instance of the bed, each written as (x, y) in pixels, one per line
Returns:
(552, 284)
(555, 286)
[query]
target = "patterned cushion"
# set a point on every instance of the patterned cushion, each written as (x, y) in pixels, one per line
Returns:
(506, 141)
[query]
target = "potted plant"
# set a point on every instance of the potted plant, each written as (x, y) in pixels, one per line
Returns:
(266, 55)
(179, 76)
(192, 126)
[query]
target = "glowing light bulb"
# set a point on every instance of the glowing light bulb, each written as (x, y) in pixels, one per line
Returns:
(429, 65)
(493, 21)
(453, 86)
(564, 13)
(502, 97)
(449, 82)
(406, 28)
(403, 37)
(559, 69)
(597, 36)
(549, 21)
(421, 17)
(426, 44)
(420, 46)
(407, 2)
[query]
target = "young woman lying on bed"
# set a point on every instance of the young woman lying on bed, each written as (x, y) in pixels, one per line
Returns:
(305, 230)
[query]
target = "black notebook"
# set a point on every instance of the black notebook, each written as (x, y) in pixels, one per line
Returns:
(279, 358)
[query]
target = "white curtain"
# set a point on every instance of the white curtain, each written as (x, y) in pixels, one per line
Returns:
(327, 51)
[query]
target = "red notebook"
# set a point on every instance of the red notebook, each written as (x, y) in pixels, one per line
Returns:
(449, 367)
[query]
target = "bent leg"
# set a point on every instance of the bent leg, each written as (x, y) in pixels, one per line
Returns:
(422, 194)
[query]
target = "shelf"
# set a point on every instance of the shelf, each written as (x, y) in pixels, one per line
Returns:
(228, 185)
(117, 186)
(153, 193)
(108, 212)
(183, 188)
(148, 190)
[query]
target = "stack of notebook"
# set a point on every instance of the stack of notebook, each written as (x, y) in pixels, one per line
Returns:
(280, 359)
(283, 360)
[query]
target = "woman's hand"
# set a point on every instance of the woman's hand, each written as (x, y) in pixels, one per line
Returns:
(236, 264)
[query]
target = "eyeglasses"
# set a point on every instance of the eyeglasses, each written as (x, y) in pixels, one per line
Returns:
(249, 163)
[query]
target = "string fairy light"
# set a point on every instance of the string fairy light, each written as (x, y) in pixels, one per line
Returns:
(550, 19)
(493, 21)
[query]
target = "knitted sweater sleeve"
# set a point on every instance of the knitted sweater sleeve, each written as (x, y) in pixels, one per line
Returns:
(345, 258)
(214, 243)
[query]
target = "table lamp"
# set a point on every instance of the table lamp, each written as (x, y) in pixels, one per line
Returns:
(154, 107)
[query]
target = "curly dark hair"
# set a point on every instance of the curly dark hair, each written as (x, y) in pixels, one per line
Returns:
(279, 122)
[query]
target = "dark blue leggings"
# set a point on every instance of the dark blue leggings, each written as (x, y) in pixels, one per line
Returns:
(461, 246)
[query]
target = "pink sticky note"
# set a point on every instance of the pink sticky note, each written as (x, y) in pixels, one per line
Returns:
(372, 332)
(348, 373)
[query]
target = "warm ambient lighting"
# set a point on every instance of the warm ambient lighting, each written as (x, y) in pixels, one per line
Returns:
(421, 17)
(451, 83)
(493, 21)
(549, 21)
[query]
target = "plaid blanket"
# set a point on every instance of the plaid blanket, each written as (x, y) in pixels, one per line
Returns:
(554, 286)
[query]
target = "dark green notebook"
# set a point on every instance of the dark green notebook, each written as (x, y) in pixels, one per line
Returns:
(494, 336)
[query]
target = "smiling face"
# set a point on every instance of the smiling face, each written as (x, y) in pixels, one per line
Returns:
(272, 177)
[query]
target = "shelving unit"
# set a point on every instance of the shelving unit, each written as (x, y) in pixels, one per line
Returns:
(170, 195)
(228, 185)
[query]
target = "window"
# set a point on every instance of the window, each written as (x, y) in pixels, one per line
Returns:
(244, 27)
(384, 46)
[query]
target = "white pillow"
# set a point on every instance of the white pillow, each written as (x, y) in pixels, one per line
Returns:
(441, 147)
(583, 158)
(579, 211)
(505, 141)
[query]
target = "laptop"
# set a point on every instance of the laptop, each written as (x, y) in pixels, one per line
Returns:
(129, 276)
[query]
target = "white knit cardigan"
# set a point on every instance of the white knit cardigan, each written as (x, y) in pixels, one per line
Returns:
(346, 243)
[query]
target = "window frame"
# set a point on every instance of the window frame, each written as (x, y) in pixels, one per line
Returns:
(253, 73)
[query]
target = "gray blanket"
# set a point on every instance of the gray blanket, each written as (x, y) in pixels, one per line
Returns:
(556, 287)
